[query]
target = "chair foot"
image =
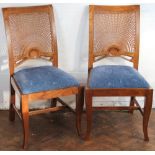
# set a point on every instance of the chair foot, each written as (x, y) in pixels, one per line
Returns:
(87, 137)
(147, 112)
(12, 101)
(145, 131)
(25, 145)
(146, 139)
(79, 109)
(25, 121)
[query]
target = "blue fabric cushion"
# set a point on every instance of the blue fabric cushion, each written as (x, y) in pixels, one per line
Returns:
(112, 76)
(43, 78)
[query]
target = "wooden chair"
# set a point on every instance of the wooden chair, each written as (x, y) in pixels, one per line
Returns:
(114, 32)
(31, 34)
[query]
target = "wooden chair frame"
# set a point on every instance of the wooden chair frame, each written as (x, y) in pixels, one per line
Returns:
(132, 92)
(24, 112)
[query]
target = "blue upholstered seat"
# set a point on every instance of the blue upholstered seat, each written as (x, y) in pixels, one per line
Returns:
(112, 76)
(43, 78)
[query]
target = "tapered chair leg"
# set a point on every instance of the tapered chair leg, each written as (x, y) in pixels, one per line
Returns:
(12, 103)
(88, 102)
(147, 112)
(25, 120)
(53, 102)
(131, 104)
(79, 109)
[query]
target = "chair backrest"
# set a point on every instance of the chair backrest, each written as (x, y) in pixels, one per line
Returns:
(114, 31)
(30, 34)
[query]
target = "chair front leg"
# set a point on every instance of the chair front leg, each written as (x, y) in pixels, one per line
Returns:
(12, 103)
(25, 120)
(147, 112)
(79, 108)
(53, 102)
(88, 102)
(131, 104)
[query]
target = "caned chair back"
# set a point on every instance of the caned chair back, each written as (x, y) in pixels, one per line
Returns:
(114, 31)
(30, 34)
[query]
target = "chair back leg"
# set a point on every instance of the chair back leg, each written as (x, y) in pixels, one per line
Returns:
(131, 104)
(12, 103)
(79, 108)
(54, 102)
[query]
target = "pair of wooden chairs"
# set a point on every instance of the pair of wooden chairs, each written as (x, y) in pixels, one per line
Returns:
(113, 31)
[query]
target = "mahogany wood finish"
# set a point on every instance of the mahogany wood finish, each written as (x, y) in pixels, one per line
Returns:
(17, 57)
(133, 57)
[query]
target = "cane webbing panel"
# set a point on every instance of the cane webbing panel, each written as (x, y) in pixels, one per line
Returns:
(114, 32)
(30, 32)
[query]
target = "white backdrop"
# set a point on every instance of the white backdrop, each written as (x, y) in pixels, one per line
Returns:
(72, 34)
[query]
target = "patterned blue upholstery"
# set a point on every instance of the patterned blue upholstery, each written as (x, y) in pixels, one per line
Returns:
(43, 78)
(111, 76)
